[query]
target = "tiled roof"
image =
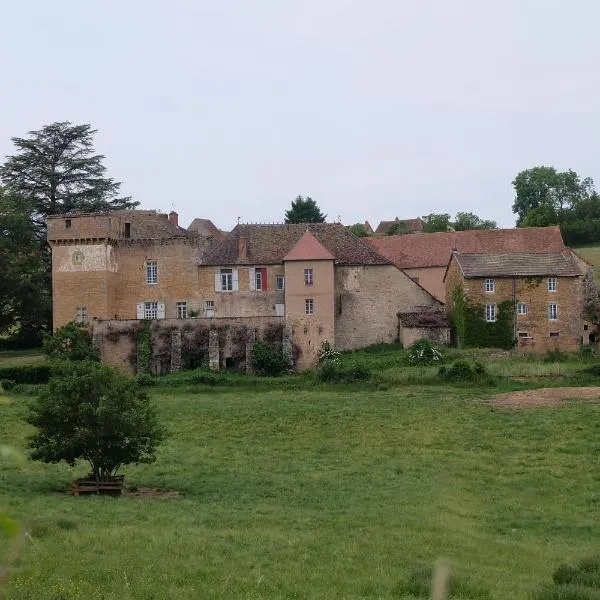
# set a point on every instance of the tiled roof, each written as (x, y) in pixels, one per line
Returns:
(269, 244)
(434, 249)
(425, 319)
(207, 228)
(522, 264)
(412, 225)
(308, 248)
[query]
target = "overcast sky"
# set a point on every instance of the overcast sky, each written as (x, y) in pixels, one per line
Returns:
(375, 109)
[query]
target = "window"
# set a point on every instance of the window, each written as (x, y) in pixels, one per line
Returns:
(150, 310)
(226, 280)
(280, 282)
(81, 314)
(552, 284)
(523, 334)
(308, 277)
(182, 311)
(490, 285)
(68, 223)
(151, 272)
(209, 308)
(309, 306)
(521, 308)
(127, 230)
(553, 311)
(490, 313)
(258, 279)
(554, 334)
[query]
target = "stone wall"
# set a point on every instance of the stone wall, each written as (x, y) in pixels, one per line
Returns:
(431, 278)
(368, 300)
(438, 335)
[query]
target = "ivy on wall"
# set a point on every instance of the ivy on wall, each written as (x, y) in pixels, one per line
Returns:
(144, 347)
(473, 331)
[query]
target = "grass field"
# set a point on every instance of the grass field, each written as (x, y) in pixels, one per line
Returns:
(21, 357)
(592, 255)
(318, 494)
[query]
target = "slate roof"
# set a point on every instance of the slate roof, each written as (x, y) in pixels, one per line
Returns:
(308, 248)
(424, 319)
(412, 225)
(434, 249)
(522, 264)
(269, 244)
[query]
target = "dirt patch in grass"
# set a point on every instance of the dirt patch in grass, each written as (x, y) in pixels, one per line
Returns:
(545, 397)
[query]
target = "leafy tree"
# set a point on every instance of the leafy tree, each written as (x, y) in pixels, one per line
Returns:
(358, 229)
(397, 228)
(57, 171)
(436, 222)
(549, 192)
(304, 210)
(25, 301)
(469, 220)
(93, 412)
(73, 341)
(268, 359)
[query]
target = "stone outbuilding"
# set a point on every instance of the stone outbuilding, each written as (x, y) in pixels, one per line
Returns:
(431, 325)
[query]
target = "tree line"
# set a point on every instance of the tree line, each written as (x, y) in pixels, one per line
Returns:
(56, 170)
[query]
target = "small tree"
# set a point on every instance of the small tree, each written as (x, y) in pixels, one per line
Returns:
(268, 359)
(304, 210)
(93, 412)
(73, 341)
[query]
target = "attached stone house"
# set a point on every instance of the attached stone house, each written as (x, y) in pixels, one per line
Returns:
(424, 256)
(539, 298)
(318, 279)
(327, 283)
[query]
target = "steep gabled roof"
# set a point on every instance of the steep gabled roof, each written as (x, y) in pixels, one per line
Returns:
(308, 248)
(206, 228)
(519, 264)
(412, 225)
(269, 244)
(434, 249)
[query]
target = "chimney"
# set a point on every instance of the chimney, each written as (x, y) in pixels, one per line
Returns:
(242, 248)
(174, 218)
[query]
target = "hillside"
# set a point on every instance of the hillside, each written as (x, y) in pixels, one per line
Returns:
(592, 255)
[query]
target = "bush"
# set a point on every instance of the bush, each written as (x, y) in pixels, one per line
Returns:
(145, 379)
(573, 583)
(27, 373)
(71, 342)
(593, 370)
(93, 412)
(423, 352)
(555, 356)
(8, 384)
(327, 353)
(332, 372)
(268, 360)
(462, 370)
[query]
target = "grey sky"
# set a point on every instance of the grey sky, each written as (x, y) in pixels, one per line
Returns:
(375, 109)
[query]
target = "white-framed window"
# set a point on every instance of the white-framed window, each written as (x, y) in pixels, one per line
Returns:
(490, 313)
(150, 310)
(308, 277)
(552, 284)
(81, 314)
(552, 311)
(151, 272)
(309, 306)
(258, 279)
(182, 310)
(490, 285)
(280, 282)
(521, 308)
(226, 280)
(209, 308)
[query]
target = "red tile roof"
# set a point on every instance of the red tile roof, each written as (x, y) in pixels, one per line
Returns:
(434, 249)
(308, 248)
(412, 225)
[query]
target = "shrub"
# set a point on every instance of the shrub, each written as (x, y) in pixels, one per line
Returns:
(145, 379)
(423, 352)
(326, 352)
(268, 360)
(573, 583)
(462, 370)
(27, 373)
(555, 356)
(358, 371)
(71, 342)
(593, 370)
(8, 384)
(93, 412)
(204, 378)
(329, 372)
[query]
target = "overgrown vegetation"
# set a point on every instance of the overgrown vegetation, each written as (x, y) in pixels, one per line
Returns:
(423, 352)
(581, 582)
(268, 359)
(71, 342)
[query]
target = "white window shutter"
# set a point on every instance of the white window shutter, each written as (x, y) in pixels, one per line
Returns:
(252, 279)
(236, 285)
(160, 310)
(140, 310)
(218, 281)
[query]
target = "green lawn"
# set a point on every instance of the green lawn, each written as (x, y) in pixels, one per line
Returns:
(19, 358)
(318, 494)
(592, 255)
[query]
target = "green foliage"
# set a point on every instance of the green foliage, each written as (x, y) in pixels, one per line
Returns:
(462, 370)
(71, 342)
(268, 359)
(555, 356)
(473, 331)
(93, 412)
(144, 347)
(26, 373)
(469, 220)
(397, 228)
(7, 384)
(423, 352)
(331, 371)
(436, 222)
(593, 370)
(358, 229)
(573, 583)
(327, 353)
(145, 379)
(304, 210)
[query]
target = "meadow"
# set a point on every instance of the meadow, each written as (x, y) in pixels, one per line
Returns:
(592, 255)
(293, 490)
